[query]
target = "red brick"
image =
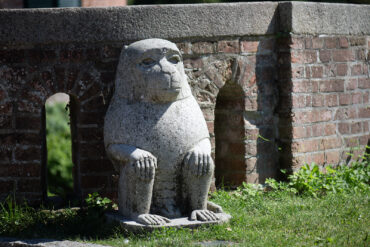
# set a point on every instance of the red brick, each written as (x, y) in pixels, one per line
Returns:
(330, 143)
(356, 128)
(95, 165)
(330, 129)
(305, 146)
(351, 141)
(251, 165)
(5, 121)
(343, 42)
(304, 86)
(318, 130)
(297, 43)
(330, 42)
(331, 100)
(357, 41)
(351, 84)
(364, 112)
(90, 134)
(345, 99)
(29, 185)
(202, 47)
(356, 70)
(363, 140)
(28, 123)
(345, 113)
(308, 100)
(366, 97)
(360, 55)
(356, 98)
(332, 86)
(251, 104)
(298, 101)
(366, 126)
(6, 186)
(251, 148)
(90, 181)
(342, 69)
(317, 71)
(325, 56)
(343, 56)
(210, 126)
(249, 46)
(231, 46)
(364, 83)
(297, 72)
(318, 158)
(28, 153)
(332, 157)
(267, 44)
(318, 100)
(21, 170)
(344, 128)
(301, 132)
(314, 43)
(312, 116)
(184, 47)
(307, 57)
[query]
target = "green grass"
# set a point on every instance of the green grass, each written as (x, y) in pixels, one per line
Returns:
(267, 219)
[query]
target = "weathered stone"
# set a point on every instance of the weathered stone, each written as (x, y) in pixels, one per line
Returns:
(157, 138)
(134, 226)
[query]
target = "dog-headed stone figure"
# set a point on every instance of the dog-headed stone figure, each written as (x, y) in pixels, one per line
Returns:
(156, 136)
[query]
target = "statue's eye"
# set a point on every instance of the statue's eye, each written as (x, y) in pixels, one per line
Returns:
(147, 61)
(174, 59)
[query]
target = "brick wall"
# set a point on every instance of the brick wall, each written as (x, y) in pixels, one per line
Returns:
(272, 97)
(325, 91)
(241, 68)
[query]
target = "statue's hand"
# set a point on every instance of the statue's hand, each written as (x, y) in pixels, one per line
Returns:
(144, 163)
(198, 161)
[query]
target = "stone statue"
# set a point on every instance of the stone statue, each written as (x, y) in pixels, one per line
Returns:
(156, 136)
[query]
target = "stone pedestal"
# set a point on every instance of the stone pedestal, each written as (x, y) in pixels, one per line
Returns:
(134, 226)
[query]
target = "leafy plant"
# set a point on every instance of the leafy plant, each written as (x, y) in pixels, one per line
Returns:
(310, 180)
(97, 204)
(60, 180)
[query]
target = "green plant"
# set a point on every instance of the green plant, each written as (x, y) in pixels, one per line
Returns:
(95, 202)
(13, 217)
(60, 180)
(310, 180)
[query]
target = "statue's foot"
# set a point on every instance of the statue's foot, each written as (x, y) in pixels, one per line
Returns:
(152, 219)
(204, 215)
(214, 207)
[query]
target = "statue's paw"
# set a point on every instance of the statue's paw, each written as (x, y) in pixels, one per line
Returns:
(152, 219)
(198, 162)
(204, 215)
(214, 207)
(145, 166)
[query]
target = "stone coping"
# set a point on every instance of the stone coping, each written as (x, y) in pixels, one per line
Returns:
(179, 22)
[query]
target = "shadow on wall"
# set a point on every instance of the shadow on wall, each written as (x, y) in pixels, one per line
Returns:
(246, 124)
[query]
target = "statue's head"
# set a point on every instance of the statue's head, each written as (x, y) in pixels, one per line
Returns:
(151, 70)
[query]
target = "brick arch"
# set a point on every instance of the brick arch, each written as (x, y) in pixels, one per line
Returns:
(229, 135)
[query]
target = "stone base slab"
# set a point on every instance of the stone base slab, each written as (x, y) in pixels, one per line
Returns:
(134, 226)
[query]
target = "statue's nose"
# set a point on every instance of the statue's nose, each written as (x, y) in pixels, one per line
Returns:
(166, 66)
